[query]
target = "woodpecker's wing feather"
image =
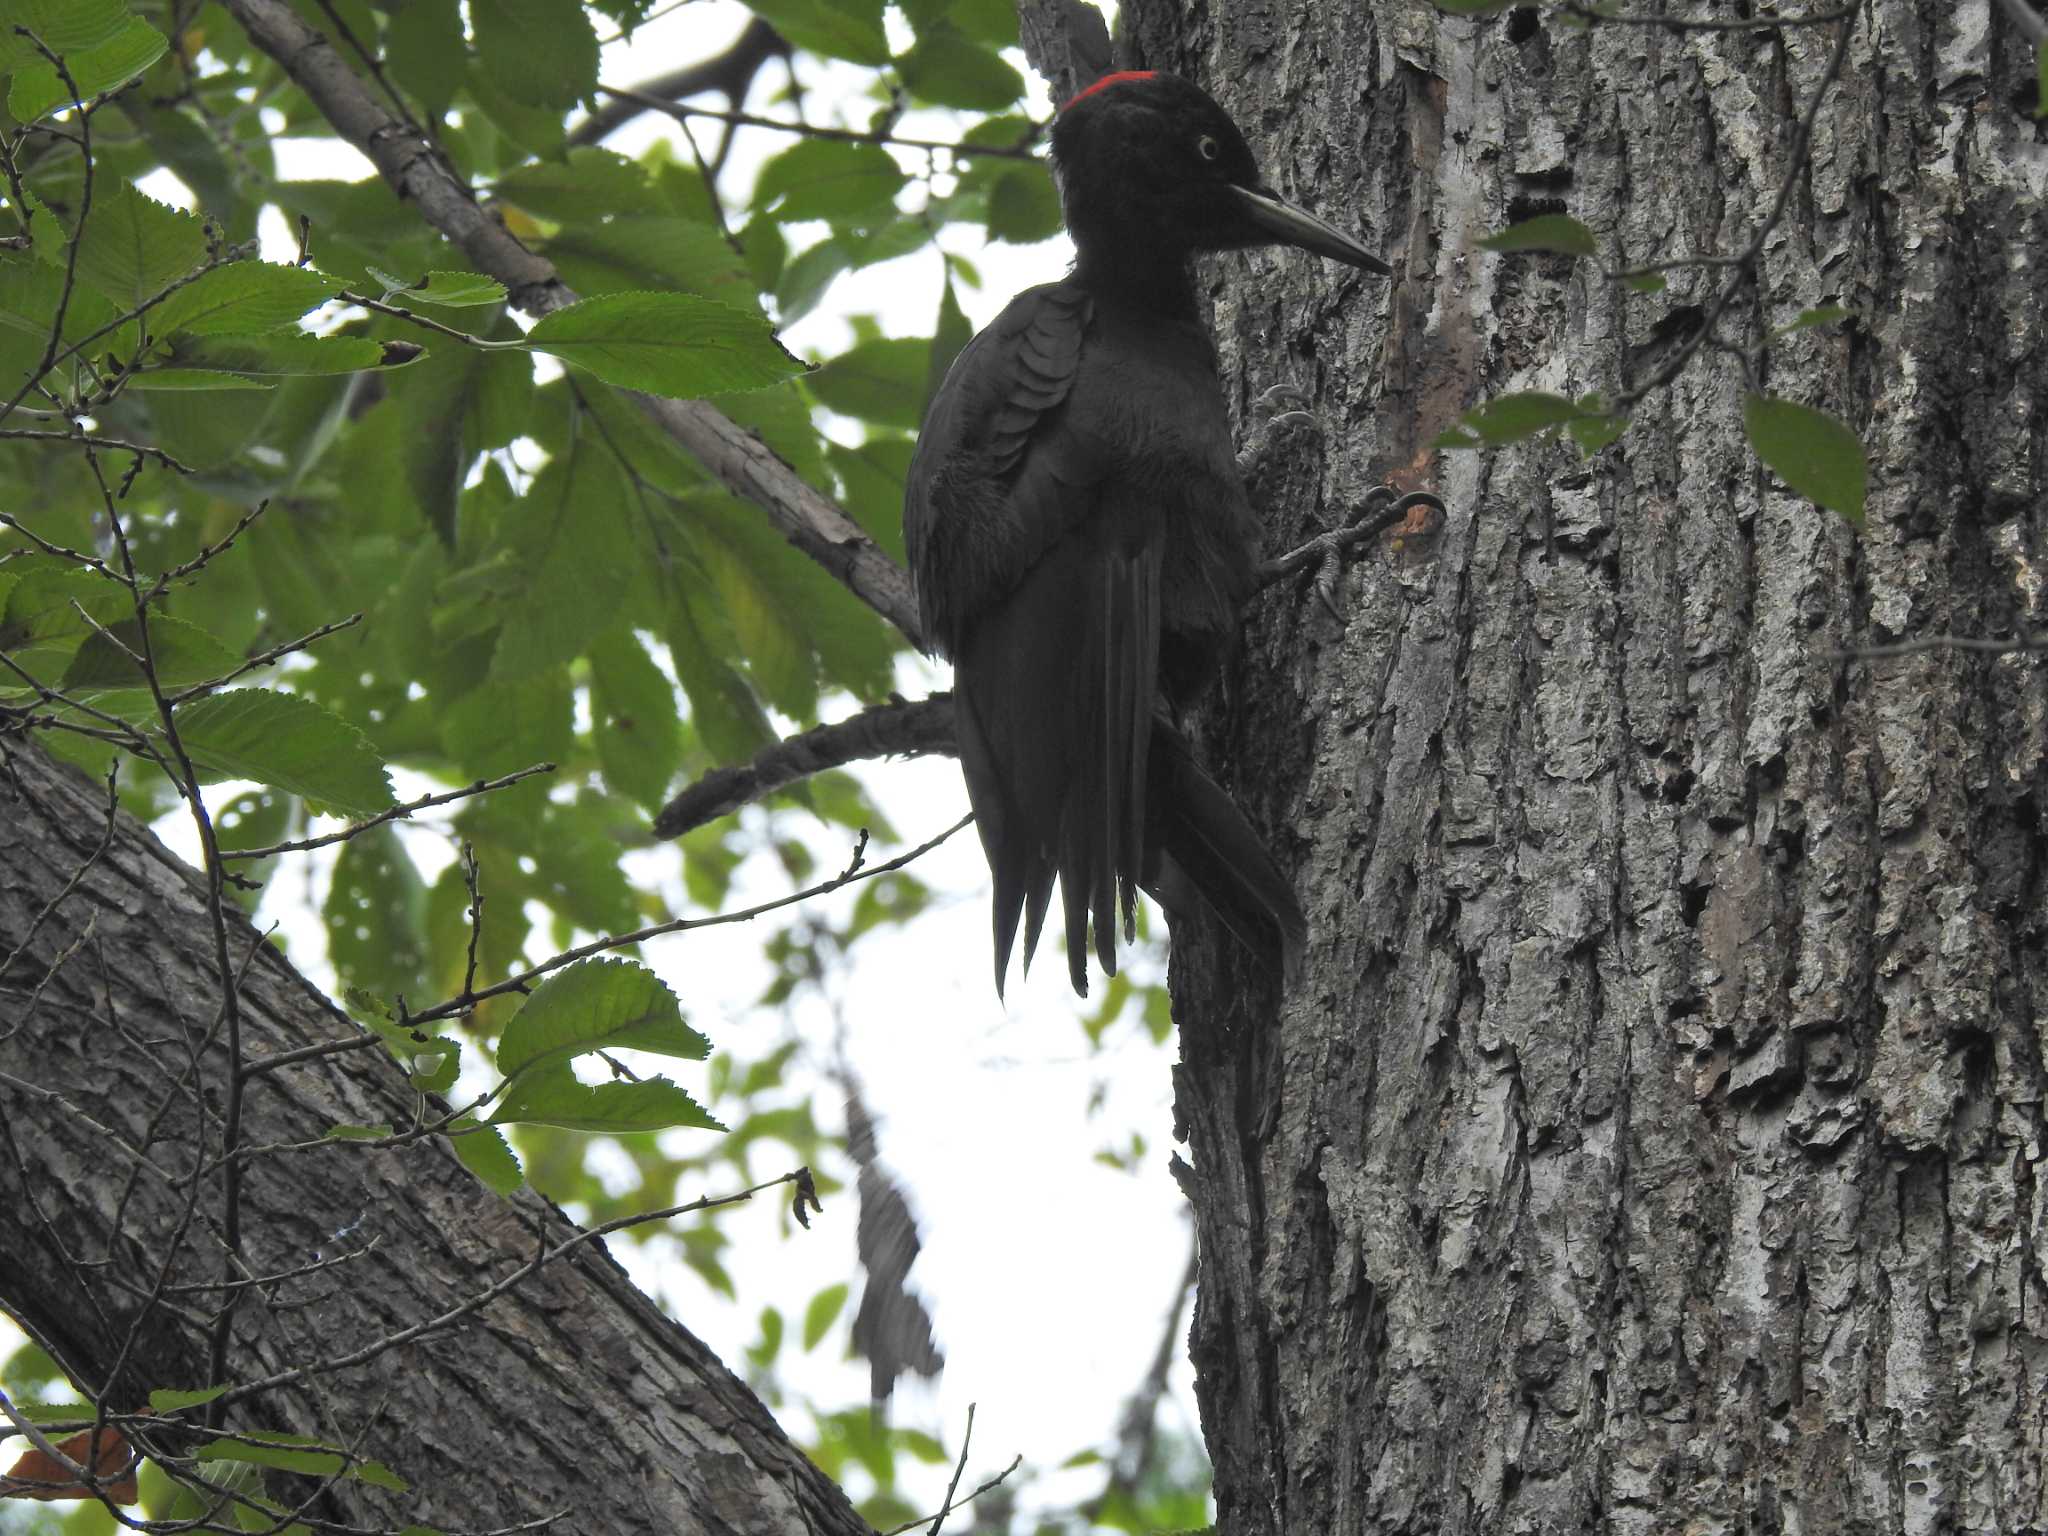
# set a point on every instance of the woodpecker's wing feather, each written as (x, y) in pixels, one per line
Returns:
(974, 519)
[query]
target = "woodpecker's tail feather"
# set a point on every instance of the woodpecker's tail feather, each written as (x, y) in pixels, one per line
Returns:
(1202, 846)
(1054, 691)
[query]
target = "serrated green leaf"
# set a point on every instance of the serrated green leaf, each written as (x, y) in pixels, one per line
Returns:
(286, 741)
(182, 653)
(829, 179)
(597, 1005)
(553, 1096)
(822, 1312)
(38, 89)
(271, 356)
(166, 1400)
(243, 297)
(1811, 451)
(1546, 232)
(675, 344)
(484, 1151)
(62, 26)
(132, 246)
(726, 715)
(450, 290)
(540, 53)
(839, 29)
(951, 70)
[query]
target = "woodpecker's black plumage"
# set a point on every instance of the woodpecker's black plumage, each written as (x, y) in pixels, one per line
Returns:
(1081, 540)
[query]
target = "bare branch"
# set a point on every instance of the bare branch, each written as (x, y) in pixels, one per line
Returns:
(895, 729)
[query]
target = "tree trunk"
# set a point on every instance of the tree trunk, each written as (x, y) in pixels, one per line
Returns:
(569, 1395)
(1653, 1143)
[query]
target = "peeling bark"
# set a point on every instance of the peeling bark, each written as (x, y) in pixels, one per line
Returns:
(1653, 1144)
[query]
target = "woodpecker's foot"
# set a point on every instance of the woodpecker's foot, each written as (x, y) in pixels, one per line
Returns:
(1381, 509)
(1277, 411)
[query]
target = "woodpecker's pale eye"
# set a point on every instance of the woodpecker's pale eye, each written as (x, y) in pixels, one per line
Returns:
(1207, 146)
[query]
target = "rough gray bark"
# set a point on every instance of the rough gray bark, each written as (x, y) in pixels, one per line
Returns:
(1654, 1144)
(570, 1395)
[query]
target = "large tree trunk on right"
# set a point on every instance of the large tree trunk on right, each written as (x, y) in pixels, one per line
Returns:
(1654, 1144)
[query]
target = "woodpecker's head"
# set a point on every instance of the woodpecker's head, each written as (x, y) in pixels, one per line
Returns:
(1149, 157)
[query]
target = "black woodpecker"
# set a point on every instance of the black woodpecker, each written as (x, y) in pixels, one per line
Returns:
(1081, 540)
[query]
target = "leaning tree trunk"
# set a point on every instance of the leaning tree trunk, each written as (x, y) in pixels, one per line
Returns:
(570, 1396)
(1653, 1143)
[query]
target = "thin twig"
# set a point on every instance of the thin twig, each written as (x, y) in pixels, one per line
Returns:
(1019, 151)
(1987, 645)
(396, 813)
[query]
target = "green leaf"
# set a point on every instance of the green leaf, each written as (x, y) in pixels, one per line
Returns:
(727, 717)
(451, 290)
(839, 29)
(167, 1400)
(484, 1151)
(286, 741)
(639, 739)
(376, 915)
(822, 1312)
(553, 1096)
(541, 53)
(273, 355)
(597, 1005)
(949, 336)
(1647, 282)
(299, 1453)
(675, 344)
(1023, 204)
(881, 381)
(1546, 232)
(574, 554)
(1811, 451)
(242, 297)
(38, 89)
(1474, 7)
(425, 51)
(1826, 314)
(946, 68)
(2041, 70)
(183, 654)
(1510, 418)
(1592, 433)
(132, 246)
(375, 1132)
(829, 179)
(63, 26)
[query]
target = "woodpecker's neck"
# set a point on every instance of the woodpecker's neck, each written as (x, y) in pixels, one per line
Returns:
(1140, 274)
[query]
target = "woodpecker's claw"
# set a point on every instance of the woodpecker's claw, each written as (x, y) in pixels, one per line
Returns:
(1381, 509)
(1276, 410)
